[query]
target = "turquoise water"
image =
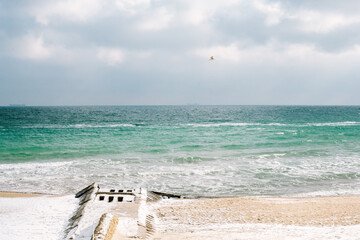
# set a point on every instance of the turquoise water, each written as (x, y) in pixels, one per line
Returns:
(191, 150)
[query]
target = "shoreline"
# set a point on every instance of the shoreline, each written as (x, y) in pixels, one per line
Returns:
(301, 211)
(9, 194)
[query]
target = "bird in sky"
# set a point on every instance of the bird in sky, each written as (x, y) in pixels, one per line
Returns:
(212, 58)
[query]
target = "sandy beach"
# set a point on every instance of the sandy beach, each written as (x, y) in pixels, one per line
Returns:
(19, 194)
(208, 218)
(34, 216)
(259, 218)
(319, 211)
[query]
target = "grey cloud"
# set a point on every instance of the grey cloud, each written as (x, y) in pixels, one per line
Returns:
(171, 73)
(251, 27)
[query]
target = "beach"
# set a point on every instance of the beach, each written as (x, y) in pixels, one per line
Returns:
(34, 216)
(259, 218)
(19, 195)
(317, 211)
(245, 172)
(207, 218)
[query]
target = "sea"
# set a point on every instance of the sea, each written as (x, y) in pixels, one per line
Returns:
(194, 151)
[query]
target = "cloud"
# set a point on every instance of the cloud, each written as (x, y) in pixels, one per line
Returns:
(74, 10)
(273, 11)
(309, 20)
(195, 16)
(44, 46)
(132, 6)
(198, 12)
(111, 56)
(321, 22)
(158, 19)
(282, 45)
(280, 54)
(30, 47)
(229, 53)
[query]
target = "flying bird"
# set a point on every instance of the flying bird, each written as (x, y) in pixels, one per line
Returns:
(212, 58)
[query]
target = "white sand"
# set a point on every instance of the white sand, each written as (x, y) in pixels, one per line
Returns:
(35, 217)
(45, 217)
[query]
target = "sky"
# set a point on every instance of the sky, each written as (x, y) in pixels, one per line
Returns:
(156, 52)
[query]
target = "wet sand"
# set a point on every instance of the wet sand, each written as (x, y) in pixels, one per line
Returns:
(19, 194)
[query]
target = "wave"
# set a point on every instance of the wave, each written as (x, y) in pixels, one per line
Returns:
(330, 124)
(327, 193)
(104, 126)
(221, 124)
(327, 124)
(79, 126)
(195, 125)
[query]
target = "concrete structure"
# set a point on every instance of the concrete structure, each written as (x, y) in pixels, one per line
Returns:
(113, 214)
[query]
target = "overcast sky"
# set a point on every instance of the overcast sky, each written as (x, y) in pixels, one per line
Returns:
(149, 52)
